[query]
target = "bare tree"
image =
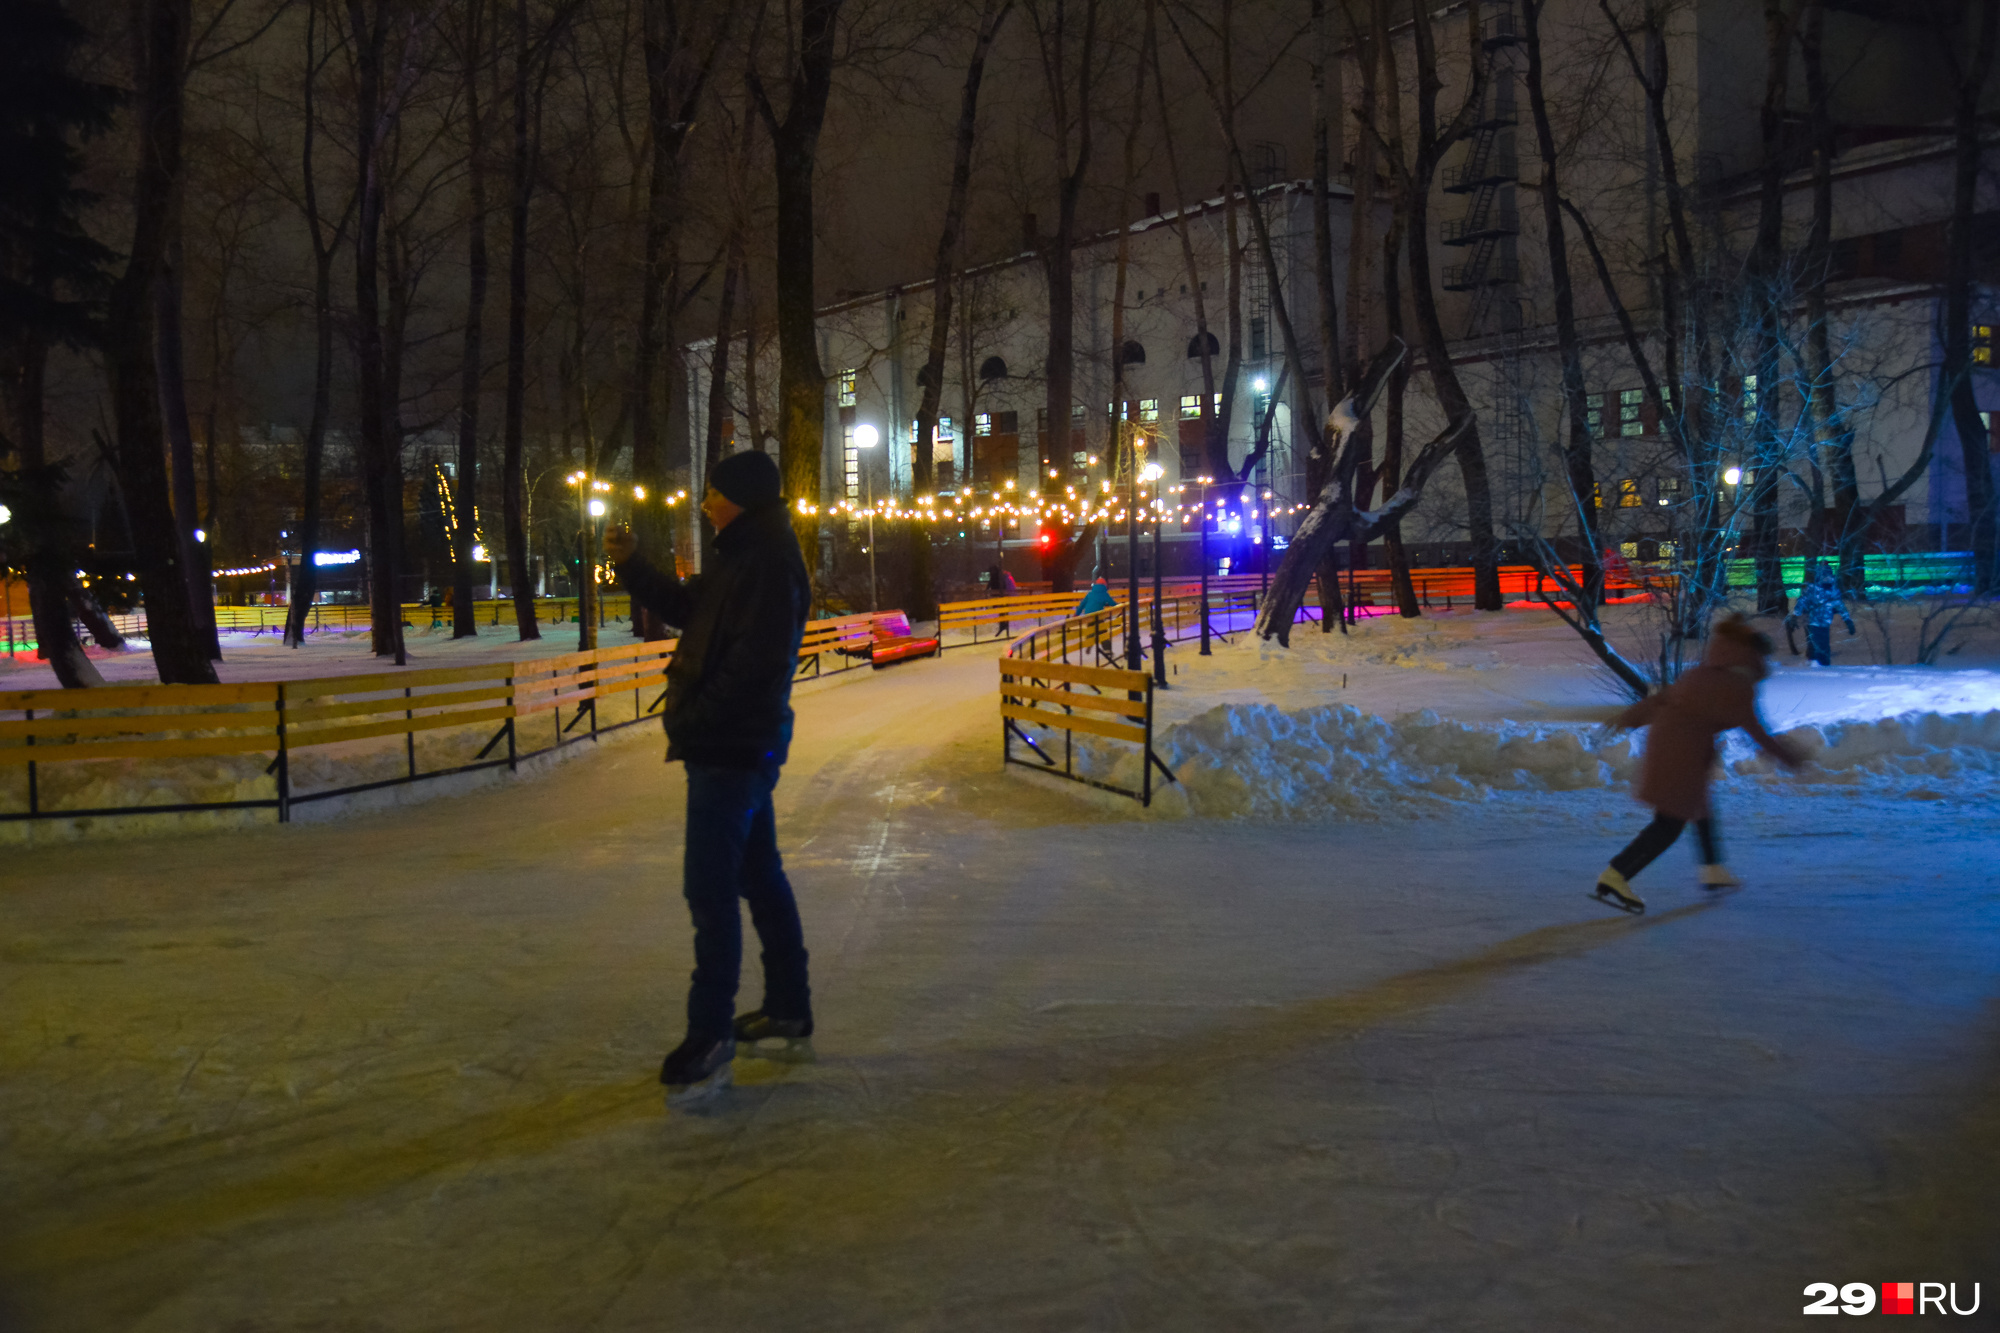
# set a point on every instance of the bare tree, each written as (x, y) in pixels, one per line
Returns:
(795, 150)
(160, 45)
(1336, 515)
(1966, 35)
(1415, 175)
(681, 40)
(1581, 474)
(1072, 60)
(992, 14)
(472, 59)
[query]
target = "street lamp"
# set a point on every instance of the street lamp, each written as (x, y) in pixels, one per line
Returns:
(1203, 483)
(1153, 473)
(867, 437)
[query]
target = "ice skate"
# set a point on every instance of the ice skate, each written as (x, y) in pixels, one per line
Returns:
(697, 1071)
(1613, 888)
(1717, 877)
(788, 1040)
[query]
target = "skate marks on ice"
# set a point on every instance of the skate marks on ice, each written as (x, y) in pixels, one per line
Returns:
(896, 1127)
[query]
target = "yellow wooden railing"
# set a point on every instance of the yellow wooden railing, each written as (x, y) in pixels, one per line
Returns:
(282, 718)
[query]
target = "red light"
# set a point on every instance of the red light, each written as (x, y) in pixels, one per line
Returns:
(1046, 539)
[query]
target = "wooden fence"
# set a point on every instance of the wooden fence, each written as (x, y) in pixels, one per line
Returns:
(1039, 688)
(286, 719)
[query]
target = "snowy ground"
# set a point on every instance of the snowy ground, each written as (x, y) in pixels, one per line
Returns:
(1080, 1067)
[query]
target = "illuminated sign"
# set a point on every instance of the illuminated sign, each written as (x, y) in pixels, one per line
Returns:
(336, 557)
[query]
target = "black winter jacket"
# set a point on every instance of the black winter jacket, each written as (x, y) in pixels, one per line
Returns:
(729, 686)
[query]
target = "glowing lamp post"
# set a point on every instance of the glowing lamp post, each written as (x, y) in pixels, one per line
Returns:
(867, 437)
(1153, 473)
(1204, 483)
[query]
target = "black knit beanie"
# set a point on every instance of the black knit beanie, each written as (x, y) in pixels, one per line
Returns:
(749, 480)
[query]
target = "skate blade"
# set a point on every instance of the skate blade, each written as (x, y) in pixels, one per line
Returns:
(688, 1095)
(783, 1050)
(1606, 896)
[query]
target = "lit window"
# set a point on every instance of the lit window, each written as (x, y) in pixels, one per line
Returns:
(1670, 489)
(1670, 550)
(1593, 413)
(1630, 405)
(847, 378)
(852, 457)
(1149, 409)
(1076, 413)
(1630, 550)
(944, 428)
(1628, 494)
(1190, 407)
(982, 423)
(1749, 400)
(1982, 344)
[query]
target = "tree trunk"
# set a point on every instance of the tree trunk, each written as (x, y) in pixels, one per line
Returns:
(922, 599)
(180, 650)
(172, 363)
(1834, 438)
(371, 133)
(520, 571)
(1431, 146)
(1767, 446)
(1386, 88)
(464, 614)
(801, 380)
(1582, 475)
(718, 387)
(305, 581)
(1196, 290)
(36, 491)
(663, 49)
(1974, 450)
(1071, 118)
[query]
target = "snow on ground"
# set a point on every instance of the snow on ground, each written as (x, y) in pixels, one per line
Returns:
(1456, 706)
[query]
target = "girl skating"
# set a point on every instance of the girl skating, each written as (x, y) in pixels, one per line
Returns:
(1683, 721)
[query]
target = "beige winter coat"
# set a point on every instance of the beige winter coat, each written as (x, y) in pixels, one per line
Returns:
(1684, 719)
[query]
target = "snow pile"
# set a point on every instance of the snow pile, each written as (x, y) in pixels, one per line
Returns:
(1946, 753)
(1257, 761)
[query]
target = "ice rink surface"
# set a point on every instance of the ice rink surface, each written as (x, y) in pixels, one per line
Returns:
(1080, 1068)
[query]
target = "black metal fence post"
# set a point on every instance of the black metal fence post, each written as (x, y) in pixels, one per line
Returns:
(284, 763)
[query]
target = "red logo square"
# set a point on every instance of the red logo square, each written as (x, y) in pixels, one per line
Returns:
(1899, 1298)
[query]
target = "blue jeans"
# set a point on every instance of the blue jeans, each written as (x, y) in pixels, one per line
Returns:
(732, 852)
(1819, 644)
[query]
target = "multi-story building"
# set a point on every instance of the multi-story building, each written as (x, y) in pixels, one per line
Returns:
(1882, 280)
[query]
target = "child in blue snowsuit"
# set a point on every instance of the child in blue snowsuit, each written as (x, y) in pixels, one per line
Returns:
(1097, 599)
(1819, 601)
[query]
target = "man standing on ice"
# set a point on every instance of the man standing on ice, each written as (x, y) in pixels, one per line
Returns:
(1682, 723)
(1819, 601)
(729, 720)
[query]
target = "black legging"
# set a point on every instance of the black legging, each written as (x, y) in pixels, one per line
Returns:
(1659, 835)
